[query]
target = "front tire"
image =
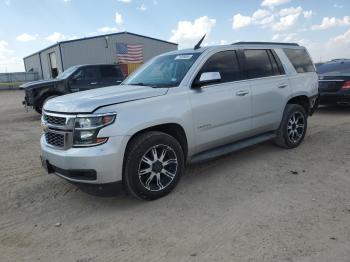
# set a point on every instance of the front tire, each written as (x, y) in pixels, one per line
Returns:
(153, 165)
(293, 127)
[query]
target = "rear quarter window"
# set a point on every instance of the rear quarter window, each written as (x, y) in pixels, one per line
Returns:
(300, 60)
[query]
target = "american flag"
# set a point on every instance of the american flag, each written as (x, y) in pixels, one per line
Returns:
(129, 54)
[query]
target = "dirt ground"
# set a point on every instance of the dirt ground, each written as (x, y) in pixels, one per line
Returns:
(260, 204)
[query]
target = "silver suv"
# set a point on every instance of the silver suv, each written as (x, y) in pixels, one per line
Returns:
(181, 107)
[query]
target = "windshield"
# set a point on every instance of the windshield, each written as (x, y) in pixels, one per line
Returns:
(66, 73)
(163, 71)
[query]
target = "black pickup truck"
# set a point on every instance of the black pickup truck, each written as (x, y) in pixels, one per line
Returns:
(74, 79)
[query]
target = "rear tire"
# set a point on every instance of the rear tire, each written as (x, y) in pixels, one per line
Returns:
(153, 165)
(293, 127)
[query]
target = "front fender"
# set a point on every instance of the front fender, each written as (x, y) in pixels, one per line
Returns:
(42, 92)
(133, 117)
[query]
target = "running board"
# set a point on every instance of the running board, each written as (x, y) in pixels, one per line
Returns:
(227, 149)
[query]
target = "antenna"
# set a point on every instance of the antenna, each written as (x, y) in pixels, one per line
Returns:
(198, 45)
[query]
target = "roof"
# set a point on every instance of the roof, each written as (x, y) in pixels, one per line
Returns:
(238, 44)
(265, 43)
(98, 36)
(102, 64)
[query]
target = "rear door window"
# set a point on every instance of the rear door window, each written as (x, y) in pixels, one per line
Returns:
(300, 60)
(110, 72)
(260, 63)
(276, 63)
(91, 73)
(226, 63)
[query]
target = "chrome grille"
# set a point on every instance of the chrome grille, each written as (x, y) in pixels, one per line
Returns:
(55, 120)
(58, 129)
(55, 139)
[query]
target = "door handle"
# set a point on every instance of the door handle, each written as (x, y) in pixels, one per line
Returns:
(93, 83)
(242, 92)
(282, 86)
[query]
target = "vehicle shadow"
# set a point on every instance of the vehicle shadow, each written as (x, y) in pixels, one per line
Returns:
(104, 191)
(115, 195)
(336, 109)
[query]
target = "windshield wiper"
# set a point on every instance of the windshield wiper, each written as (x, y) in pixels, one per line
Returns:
(138, 84)
(141, 84)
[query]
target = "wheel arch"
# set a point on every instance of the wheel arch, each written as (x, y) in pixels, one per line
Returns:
(302, 100)
(173, 129)
(46, 93)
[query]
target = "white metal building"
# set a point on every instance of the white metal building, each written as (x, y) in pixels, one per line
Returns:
(90, 50)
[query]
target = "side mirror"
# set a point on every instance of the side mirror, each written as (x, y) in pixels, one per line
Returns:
(207, 78)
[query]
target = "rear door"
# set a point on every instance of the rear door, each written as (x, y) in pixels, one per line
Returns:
(111, 75)
(221, 111)
(270, 88)
(86, 78)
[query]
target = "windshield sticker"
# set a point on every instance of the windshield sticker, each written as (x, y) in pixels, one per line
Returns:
(183, 57)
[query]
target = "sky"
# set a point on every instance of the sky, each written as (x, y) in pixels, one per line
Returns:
(30, 25)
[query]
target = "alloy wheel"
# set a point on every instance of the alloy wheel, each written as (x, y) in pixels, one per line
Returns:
(158, 167)
(296, 127)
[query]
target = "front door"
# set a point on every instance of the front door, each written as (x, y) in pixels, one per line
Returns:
(86, 78)
(221, 111)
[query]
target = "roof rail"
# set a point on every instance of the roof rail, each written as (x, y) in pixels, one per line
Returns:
(265, 43)
(339, 59)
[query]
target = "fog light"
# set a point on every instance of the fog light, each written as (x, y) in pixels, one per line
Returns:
(85, 135)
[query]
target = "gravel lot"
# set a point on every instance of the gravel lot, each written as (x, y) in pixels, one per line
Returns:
(260, 204)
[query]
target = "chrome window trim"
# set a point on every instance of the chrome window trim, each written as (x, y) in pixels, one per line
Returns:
(241, 81)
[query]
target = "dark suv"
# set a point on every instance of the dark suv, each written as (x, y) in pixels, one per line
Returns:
(74, 79)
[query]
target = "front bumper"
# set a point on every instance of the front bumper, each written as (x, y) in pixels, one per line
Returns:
(92, 165)
(334, 98)
(28, 99)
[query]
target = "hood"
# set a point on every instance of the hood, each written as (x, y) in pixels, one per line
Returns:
(89, 101)
(34, 84)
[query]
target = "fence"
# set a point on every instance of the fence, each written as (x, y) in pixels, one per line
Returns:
(13, 80)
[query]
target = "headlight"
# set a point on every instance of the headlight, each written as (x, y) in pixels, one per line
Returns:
(94, 121)
(86, 129)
